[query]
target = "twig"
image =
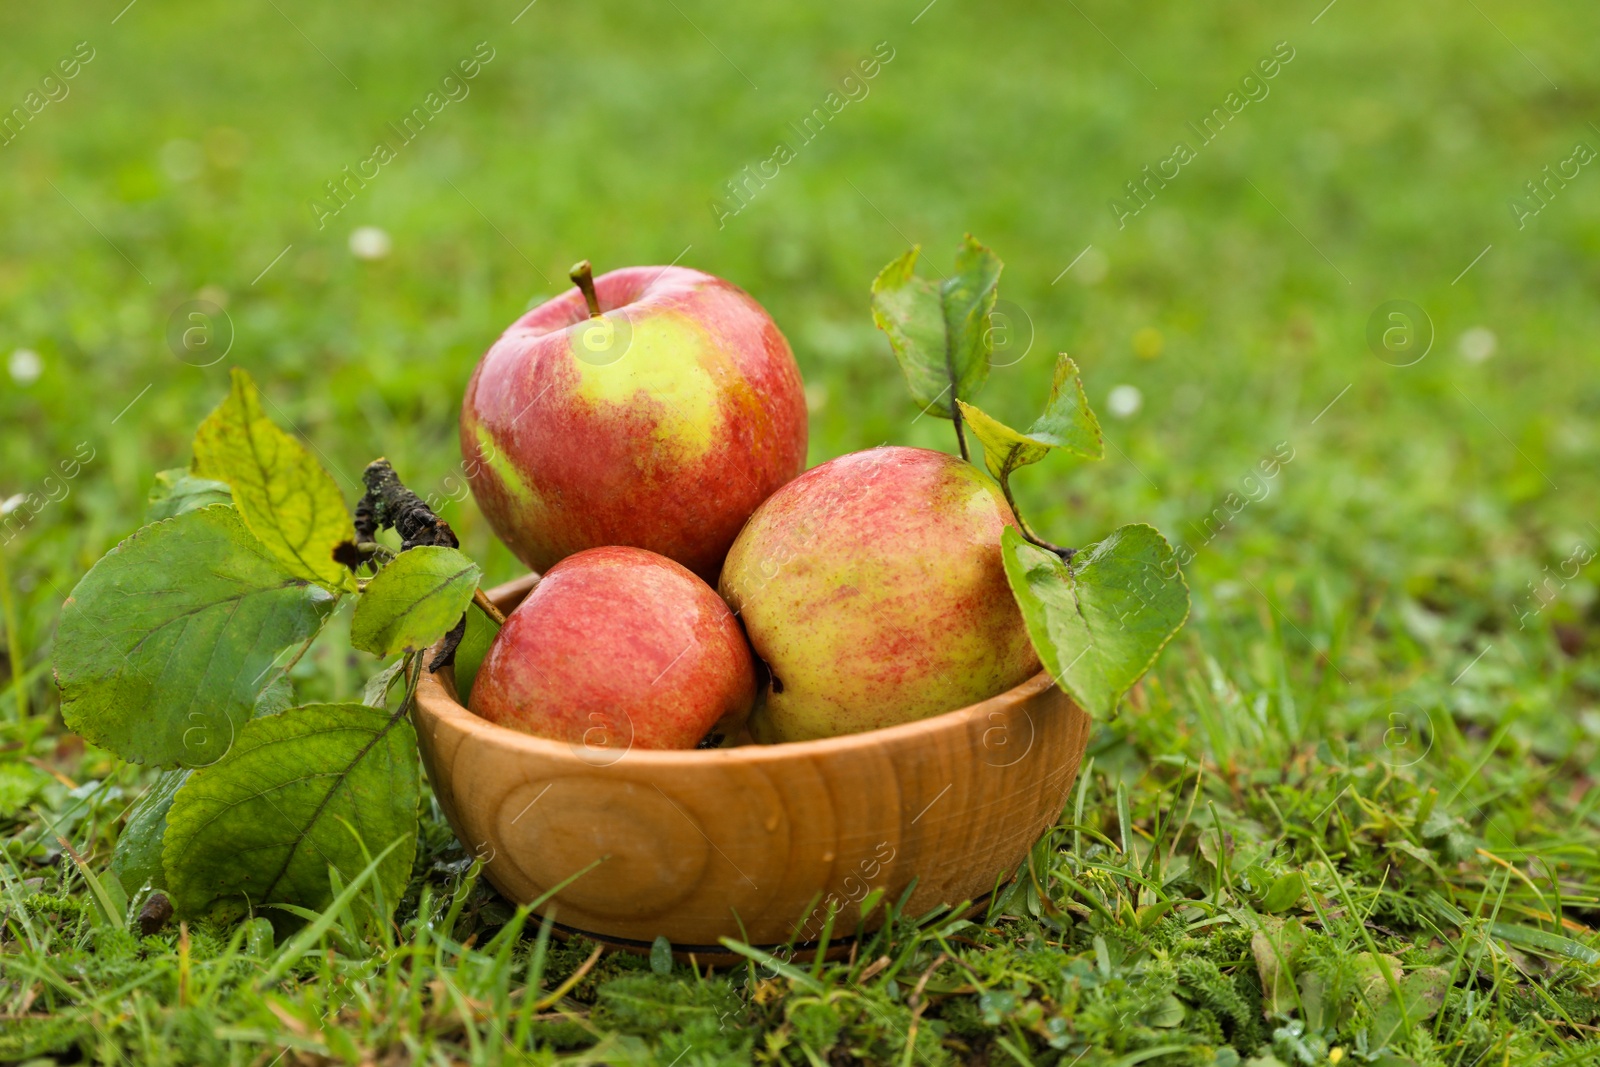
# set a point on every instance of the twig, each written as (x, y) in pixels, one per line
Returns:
(389, 504)
(480, 598)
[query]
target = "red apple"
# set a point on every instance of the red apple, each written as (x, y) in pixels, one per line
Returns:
(873, 588)
(656, 407)
(618, 648)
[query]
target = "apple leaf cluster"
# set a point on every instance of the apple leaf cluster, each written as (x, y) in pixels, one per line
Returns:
(1098, 618)
(1068, 423)
(940, 333)
(175, 651)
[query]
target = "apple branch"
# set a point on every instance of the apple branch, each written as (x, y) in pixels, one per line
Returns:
(582, 275)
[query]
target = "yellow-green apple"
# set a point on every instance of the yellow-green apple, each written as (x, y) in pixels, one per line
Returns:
(652, 406)
(873, 588)
(618, 648)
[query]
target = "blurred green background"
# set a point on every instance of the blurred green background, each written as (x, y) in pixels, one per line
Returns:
(1401, 545)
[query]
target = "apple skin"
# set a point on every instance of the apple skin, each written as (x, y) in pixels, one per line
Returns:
(661, 427)
(618, 648)
(872, 586)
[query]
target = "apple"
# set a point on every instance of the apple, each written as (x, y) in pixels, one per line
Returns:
(872, 587)
(652, 406)
(618, 648)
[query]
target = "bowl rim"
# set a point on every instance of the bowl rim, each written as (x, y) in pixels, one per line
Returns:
(438, 700)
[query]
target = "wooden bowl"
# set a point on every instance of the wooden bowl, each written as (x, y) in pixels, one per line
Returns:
(752, 842)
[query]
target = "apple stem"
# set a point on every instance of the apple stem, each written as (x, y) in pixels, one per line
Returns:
(582, 275)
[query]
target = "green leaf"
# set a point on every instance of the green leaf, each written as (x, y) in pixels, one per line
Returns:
(375, 694)
(1276, 946)
(1099, 622)
(1067, 424)
(1423, 993)
(136, 861)
(1004, 449)
(969, 296)
(661, 956)
(287, 499)
(177, 491)
(909, 310)
(277, 696)
(1167, 1012)
(940, 333)
(1284, 893)
(266, 822)
(1545, 943)
(414, 600)
(167, 642)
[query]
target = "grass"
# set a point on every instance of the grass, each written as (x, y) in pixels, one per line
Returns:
(1350, 815)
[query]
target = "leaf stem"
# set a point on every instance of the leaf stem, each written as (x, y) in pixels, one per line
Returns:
(287, 667)
(955, 408)
(412, 672)
(1022, 525)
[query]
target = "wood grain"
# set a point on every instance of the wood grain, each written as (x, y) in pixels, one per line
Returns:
(752, 842)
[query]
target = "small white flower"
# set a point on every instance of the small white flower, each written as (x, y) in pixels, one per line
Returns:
(1477, 344)
(369, 242)
(25, 366)
(11, 504)
(1125, 401)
